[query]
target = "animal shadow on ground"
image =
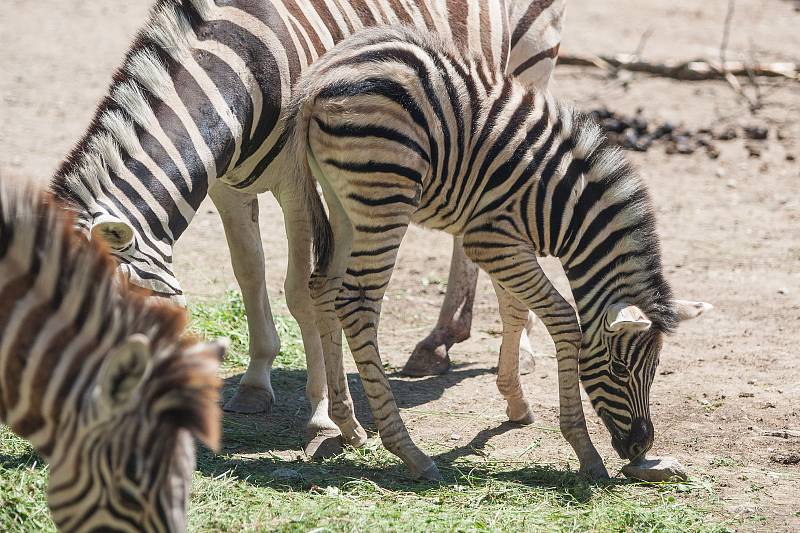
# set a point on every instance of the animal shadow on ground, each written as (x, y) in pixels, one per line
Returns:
(251, 443)
(283, 429)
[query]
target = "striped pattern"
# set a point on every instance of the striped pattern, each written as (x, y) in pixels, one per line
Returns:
(199, 97)
(95, 378)
(196, 106)
(400, 127)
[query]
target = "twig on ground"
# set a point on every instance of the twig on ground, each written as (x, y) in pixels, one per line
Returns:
(696, 70)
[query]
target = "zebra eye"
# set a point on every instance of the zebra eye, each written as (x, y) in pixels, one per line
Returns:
(619, 369)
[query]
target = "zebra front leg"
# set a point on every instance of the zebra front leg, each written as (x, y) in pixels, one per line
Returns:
(239, 214)
(514, 315)
(322, 435)
(518, 272)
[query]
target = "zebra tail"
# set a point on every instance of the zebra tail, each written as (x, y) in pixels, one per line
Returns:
(321, 228)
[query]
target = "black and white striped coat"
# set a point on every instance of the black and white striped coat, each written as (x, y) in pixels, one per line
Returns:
(96, 378)
(195, 109)
(399, 126)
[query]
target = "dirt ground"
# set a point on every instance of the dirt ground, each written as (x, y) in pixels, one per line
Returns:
(726, 401)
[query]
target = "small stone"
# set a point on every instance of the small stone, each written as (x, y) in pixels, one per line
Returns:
(727, 134)
(745, 395)
(455, 436)
(720, 172)
(783, 291)
(656, 469)
(790, 157)
(757, 133)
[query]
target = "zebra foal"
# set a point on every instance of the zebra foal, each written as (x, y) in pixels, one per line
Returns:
(97, 379)
(399, 127)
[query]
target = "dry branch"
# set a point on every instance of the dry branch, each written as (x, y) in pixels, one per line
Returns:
(696, 70)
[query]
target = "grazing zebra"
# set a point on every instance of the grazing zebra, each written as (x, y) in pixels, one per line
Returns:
(195, 109)
(400, 127)
(96, 378)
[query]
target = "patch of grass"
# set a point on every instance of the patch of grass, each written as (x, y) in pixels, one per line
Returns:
(368, 489)
(725, 462)
(228, 319)
(23, 485)
(476, 495)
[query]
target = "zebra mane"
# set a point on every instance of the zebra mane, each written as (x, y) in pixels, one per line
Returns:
(127, 104)
(37, 237)
(622, 184)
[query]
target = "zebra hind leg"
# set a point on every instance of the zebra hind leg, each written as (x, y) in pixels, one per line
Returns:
(324, 289)
(239, 214)
(515, 269)
(514, 315)
(430, 356)
(378, 226)
(322, 437)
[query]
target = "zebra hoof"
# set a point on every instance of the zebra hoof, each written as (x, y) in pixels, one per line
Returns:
(354, 436)
(322, 443)
(595, 471)
(431, 473)
(249, 400)
(428, 359)
(525, 420)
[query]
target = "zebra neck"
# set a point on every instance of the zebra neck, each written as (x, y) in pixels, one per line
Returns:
(610, 249)
(167, 129)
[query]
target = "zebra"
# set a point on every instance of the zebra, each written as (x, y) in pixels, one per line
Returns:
(195, 110)
(96, 378)
(398, 126)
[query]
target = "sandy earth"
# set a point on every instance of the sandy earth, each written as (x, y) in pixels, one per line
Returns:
(727, 400)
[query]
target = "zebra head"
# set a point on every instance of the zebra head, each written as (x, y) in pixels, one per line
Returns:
(144, 262)
(620, 388)
(128, 463)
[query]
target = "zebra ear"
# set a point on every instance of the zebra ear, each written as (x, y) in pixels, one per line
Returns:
(622, 317)
(117, 233)
(122, 372)
(688, 310)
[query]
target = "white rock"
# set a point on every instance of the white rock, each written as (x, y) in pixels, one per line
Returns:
(656, 469)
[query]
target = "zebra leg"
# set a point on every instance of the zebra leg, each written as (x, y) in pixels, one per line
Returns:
(518, 272)
(527, 363)
(430, 355)
(358, 306)
(514, 315)
(377, 231)
(239, 214)
(324, 289)
(322, 435)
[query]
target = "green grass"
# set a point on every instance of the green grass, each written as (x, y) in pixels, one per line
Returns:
(259, 483)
